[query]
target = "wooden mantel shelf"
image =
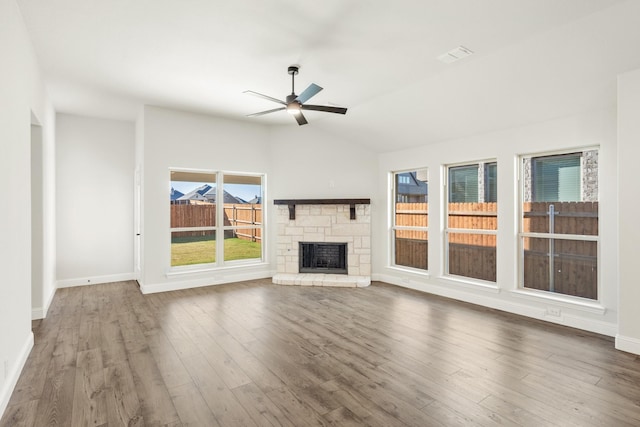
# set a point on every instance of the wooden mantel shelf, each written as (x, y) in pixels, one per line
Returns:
(291, 203)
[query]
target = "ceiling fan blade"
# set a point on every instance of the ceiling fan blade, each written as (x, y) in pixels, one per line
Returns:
(270, 98)
(300, 119)
(262, 113)
(308, 93)
(325, 108)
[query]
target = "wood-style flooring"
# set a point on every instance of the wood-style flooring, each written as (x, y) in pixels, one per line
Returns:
(257, 354)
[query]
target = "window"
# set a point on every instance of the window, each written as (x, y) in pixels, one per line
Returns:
(463, 184)
(207, 205)
(410, 219)
(559, 224)
(472, 221)
(491, 182)
(556, 178)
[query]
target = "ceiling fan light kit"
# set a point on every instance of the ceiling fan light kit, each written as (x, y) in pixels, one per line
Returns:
(294, 104)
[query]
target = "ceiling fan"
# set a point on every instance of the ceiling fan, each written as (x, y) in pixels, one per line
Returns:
(295, 104)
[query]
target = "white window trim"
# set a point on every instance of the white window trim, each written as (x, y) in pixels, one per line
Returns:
(486, 284)
(393, 227)
(570, 301)
(220, 263)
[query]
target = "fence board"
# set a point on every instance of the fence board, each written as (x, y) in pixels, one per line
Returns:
(204, 215)
(473, 255)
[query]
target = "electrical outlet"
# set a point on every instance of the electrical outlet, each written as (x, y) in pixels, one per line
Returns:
(553, 311)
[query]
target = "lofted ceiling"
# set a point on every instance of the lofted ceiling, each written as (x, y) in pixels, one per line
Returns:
(534, 60)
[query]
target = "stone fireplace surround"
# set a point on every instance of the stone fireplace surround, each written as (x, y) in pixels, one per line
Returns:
(324, 220)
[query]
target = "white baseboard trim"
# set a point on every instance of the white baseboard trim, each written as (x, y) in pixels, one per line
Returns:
(41, 312)
(94, 280)
(628, 344)
(37, 313)
(493, 300)
(14, 373)
(214, 279)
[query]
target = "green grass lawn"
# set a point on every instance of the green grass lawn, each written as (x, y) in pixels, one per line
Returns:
(202, 250)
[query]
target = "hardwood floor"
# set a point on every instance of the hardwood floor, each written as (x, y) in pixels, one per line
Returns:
(257, 354)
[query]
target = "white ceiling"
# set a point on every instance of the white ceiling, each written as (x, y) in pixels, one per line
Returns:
(534, 60)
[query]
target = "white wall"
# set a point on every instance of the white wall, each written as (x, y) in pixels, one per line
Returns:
(588, 129)
(628, 337)
(309, 163)
(94, 190)
(175, 139)
(22, 94)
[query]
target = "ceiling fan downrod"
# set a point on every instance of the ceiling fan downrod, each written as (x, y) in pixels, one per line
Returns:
(293, 70)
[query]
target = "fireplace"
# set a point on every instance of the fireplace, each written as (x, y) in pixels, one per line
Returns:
(332, 235)
(321, 257)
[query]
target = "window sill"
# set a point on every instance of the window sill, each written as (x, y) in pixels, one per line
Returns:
(470, 283)
(563, 301)
(208, 268)
(416, 271)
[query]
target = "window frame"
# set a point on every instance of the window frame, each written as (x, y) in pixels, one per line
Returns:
(393, 227)
(521, 235)
(447, 231)
(220, 228)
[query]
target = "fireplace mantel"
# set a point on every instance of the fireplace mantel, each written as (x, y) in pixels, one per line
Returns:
(291, 203)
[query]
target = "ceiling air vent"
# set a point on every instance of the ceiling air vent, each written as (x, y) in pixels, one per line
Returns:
(454, 55)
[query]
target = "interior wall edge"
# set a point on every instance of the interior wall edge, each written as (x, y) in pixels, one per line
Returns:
(14, 373)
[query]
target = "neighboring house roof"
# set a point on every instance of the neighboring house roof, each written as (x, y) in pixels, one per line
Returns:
(175, 194)
(414, 186)
(197, 194)
(208, 193)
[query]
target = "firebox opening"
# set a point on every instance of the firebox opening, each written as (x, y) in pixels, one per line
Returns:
(323, 258)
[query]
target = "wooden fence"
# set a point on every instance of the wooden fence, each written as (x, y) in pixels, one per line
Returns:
(474, 255)
(575, 262)
(204, 215)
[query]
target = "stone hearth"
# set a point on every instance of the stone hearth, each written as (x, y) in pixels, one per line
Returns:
(324, 223)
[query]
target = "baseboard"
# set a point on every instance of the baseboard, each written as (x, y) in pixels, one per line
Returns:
(41, 312)
(628, 344)
(94, 280)
(492, 300)
(214, 279)
(14, 373)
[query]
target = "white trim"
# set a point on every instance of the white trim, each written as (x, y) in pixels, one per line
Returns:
(41, 312)
(470, 282)
(486, 300)
(566, 301)
(410, 270)
(486, 231)
(559, 236)
(405, 227)
(579, 148)
(181, 229)
(628, 344)
(211, 268)
(94, 280)
(14, 373)
(210, 280)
